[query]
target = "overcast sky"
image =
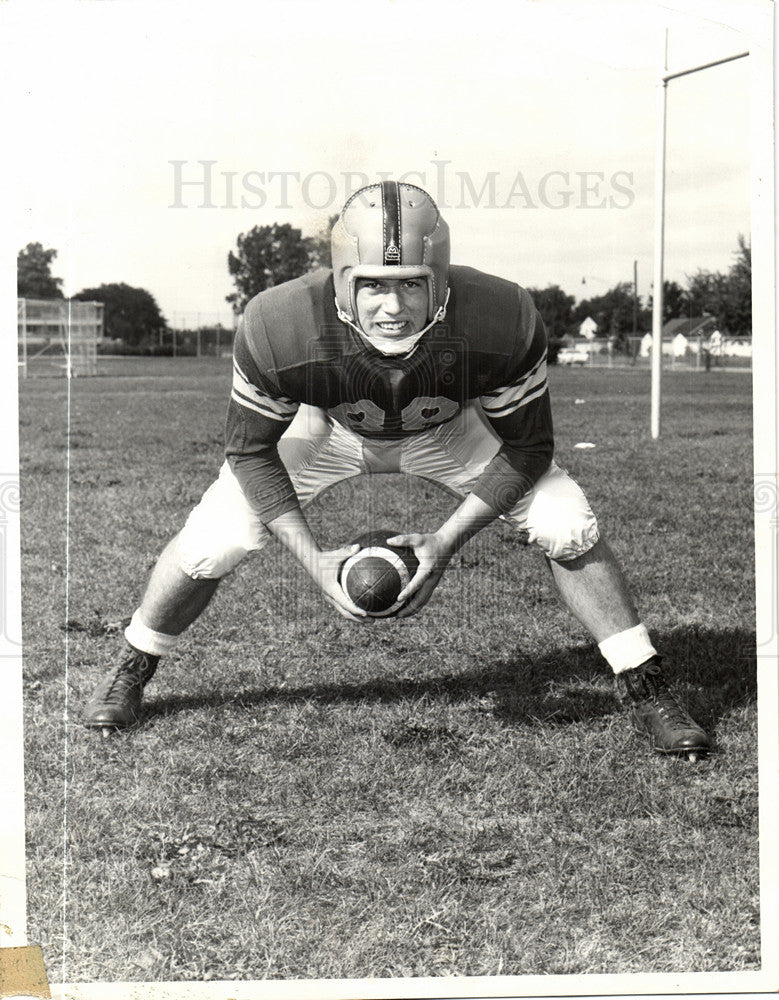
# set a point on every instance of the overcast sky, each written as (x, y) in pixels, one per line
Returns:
(542, 110)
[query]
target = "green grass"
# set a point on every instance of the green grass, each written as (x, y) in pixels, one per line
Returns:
(458, 794)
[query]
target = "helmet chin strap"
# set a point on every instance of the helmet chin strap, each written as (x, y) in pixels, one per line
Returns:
(395, 346)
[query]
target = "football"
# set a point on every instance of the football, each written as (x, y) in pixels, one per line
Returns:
(374, 576)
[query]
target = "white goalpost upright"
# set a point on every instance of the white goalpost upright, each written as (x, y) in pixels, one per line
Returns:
(659, 238)
(73, 326)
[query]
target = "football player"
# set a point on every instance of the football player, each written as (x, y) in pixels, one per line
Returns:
(394, 361)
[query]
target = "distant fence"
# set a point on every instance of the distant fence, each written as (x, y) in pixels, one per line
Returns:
(170, 342)
(735, 352)
(65, 337)
(206, 341)
(692, 350)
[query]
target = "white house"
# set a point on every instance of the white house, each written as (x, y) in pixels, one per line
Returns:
(679, 345)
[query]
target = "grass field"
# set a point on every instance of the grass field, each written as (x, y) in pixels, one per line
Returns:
(458, 794)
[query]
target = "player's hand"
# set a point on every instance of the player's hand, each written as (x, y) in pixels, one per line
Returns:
(433, 555)
(324, 568)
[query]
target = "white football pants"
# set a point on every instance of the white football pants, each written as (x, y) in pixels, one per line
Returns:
(318, 453)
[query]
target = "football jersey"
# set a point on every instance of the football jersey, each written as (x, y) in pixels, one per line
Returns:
(291, 348)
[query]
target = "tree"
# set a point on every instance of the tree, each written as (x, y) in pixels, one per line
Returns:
(706, 293)
(612, 311)
(34, 279)
(739, 288)
(319, 252)
(726, 297)
(131, 314)
(676, 302)
(556, 309)
(267, 256)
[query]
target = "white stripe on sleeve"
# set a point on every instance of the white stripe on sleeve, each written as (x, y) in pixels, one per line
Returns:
(504, 401)
(248, 395)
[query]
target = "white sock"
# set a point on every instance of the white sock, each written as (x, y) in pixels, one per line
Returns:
(146, 639)
(627, 650)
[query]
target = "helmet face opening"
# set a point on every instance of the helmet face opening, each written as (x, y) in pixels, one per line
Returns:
(390, 230)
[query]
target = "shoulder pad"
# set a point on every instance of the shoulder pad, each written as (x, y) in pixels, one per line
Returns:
(283, 322)
(491, 313)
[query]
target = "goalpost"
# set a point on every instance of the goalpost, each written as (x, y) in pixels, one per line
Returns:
(72, 327)
(659, 235)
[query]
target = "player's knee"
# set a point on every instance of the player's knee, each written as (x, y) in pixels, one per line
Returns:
(563, 538)
(208, 558)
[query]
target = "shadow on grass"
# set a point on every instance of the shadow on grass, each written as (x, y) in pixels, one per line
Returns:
(713, 671)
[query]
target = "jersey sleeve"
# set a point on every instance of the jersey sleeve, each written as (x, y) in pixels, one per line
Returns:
(520, 413)
(257, 415)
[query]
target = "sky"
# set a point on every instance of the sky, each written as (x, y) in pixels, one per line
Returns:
(533, 124)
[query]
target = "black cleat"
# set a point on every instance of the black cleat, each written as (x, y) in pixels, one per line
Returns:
(116, 702)
(657, 714)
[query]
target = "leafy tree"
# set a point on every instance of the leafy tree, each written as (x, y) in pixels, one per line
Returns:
(267, 256)
(612, 311)
(739, 287)
(676, 302)
(319, 246)
(131, 314)
(556, 309)
(706, 293)
(726, 297)
(34, 279)
(742, 267)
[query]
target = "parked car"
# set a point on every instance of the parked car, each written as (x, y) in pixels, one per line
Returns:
(572, 356)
